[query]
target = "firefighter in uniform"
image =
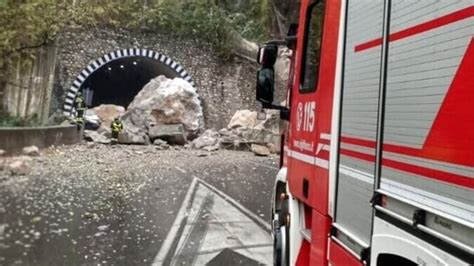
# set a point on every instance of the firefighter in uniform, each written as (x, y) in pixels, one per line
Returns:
(80, 106)
(116, 128)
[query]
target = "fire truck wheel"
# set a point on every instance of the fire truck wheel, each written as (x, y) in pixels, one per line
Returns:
(279, 246)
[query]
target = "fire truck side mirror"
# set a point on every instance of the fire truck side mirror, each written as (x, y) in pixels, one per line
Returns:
(265, 86)
(267, 55)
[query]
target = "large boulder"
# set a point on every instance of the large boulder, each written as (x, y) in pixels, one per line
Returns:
(31, 151)
(165, 101)
(172, 134)
(243, 119)
(106, 114)
(248, 127)
(271, 122)
(259, 135)
(133, 135)
(260, 150)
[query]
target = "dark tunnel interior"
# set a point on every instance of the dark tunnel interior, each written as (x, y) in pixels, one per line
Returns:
(119, 81)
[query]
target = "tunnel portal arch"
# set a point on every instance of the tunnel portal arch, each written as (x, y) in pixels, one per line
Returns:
(95, 65)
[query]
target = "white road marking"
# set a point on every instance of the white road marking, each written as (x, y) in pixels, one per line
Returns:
(213, 221)
(239, 206)
(182, 214)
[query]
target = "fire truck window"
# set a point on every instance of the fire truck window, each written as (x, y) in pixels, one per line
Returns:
(312, 49)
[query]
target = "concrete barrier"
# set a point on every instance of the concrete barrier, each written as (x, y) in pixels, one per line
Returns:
(12, 140)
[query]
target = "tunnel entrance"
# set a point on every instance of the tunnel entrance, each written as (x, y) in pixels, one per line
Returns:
(116, 78)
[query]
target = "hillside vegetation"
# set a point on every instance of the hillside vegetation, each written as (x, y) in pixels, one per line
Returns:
(30, 24)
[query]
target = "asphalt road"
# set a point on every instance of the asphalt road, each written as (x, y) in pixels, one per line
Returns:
(137, 206)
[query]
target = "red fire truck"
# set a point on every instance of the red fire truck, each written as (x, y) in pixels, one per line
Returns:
(378, 161)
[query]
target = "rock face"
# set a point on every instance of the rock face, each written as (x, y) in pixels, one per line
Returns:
(163, 102)
(31, 151)
(282, 66)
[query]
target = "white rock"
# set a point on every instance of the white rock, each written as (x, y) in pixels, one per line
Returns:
(106, 114)
(103, 227)
(165, 101)
(160, 142)
(260, 150)
(92, 119)
(31, 151)
(274, 149)
(37, 235)
(207, 139)
(19, 167)
(2, 228)
(243, 119)
(282, 65)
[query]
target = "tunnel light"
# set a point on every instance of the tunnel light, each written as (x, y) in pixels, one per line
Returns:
(135, 63)
(121, 66)
(109, 68)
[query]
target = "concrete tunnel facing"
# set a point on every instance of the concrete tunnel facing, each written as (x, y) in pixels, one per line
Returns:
(117, 77)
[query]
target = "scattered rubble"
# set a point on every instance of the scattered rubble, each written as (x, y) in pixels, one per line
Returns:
(19, 167)
(96, 137)
(168, 112)
(208, 139)
(2, 153)
(94, 200)
(31, 151)
(243, 130)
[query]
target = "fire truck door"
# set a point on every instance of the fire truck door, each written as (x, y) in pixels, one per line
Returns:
(359, 110)
(302, 137)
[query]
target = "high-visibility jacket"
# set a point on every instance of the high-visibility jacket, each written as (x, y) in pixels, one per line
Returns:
(116, 126)
(79, 103)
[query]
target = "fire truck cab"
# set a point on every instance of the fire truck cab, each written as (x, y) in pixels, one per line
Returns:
(378, 159)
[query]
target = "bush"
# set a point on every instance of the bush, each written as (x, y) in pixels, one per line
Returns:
(7, 120)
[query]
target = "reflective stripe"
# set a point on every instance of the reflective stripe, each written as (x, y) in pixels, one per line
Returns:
(323, 163)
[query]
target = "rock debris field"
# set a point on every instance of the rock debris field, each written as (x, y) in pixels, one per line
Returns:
(114, 205)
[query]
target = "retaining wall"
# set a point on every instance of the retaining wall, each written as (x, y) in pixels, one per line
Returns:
(12, 140)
